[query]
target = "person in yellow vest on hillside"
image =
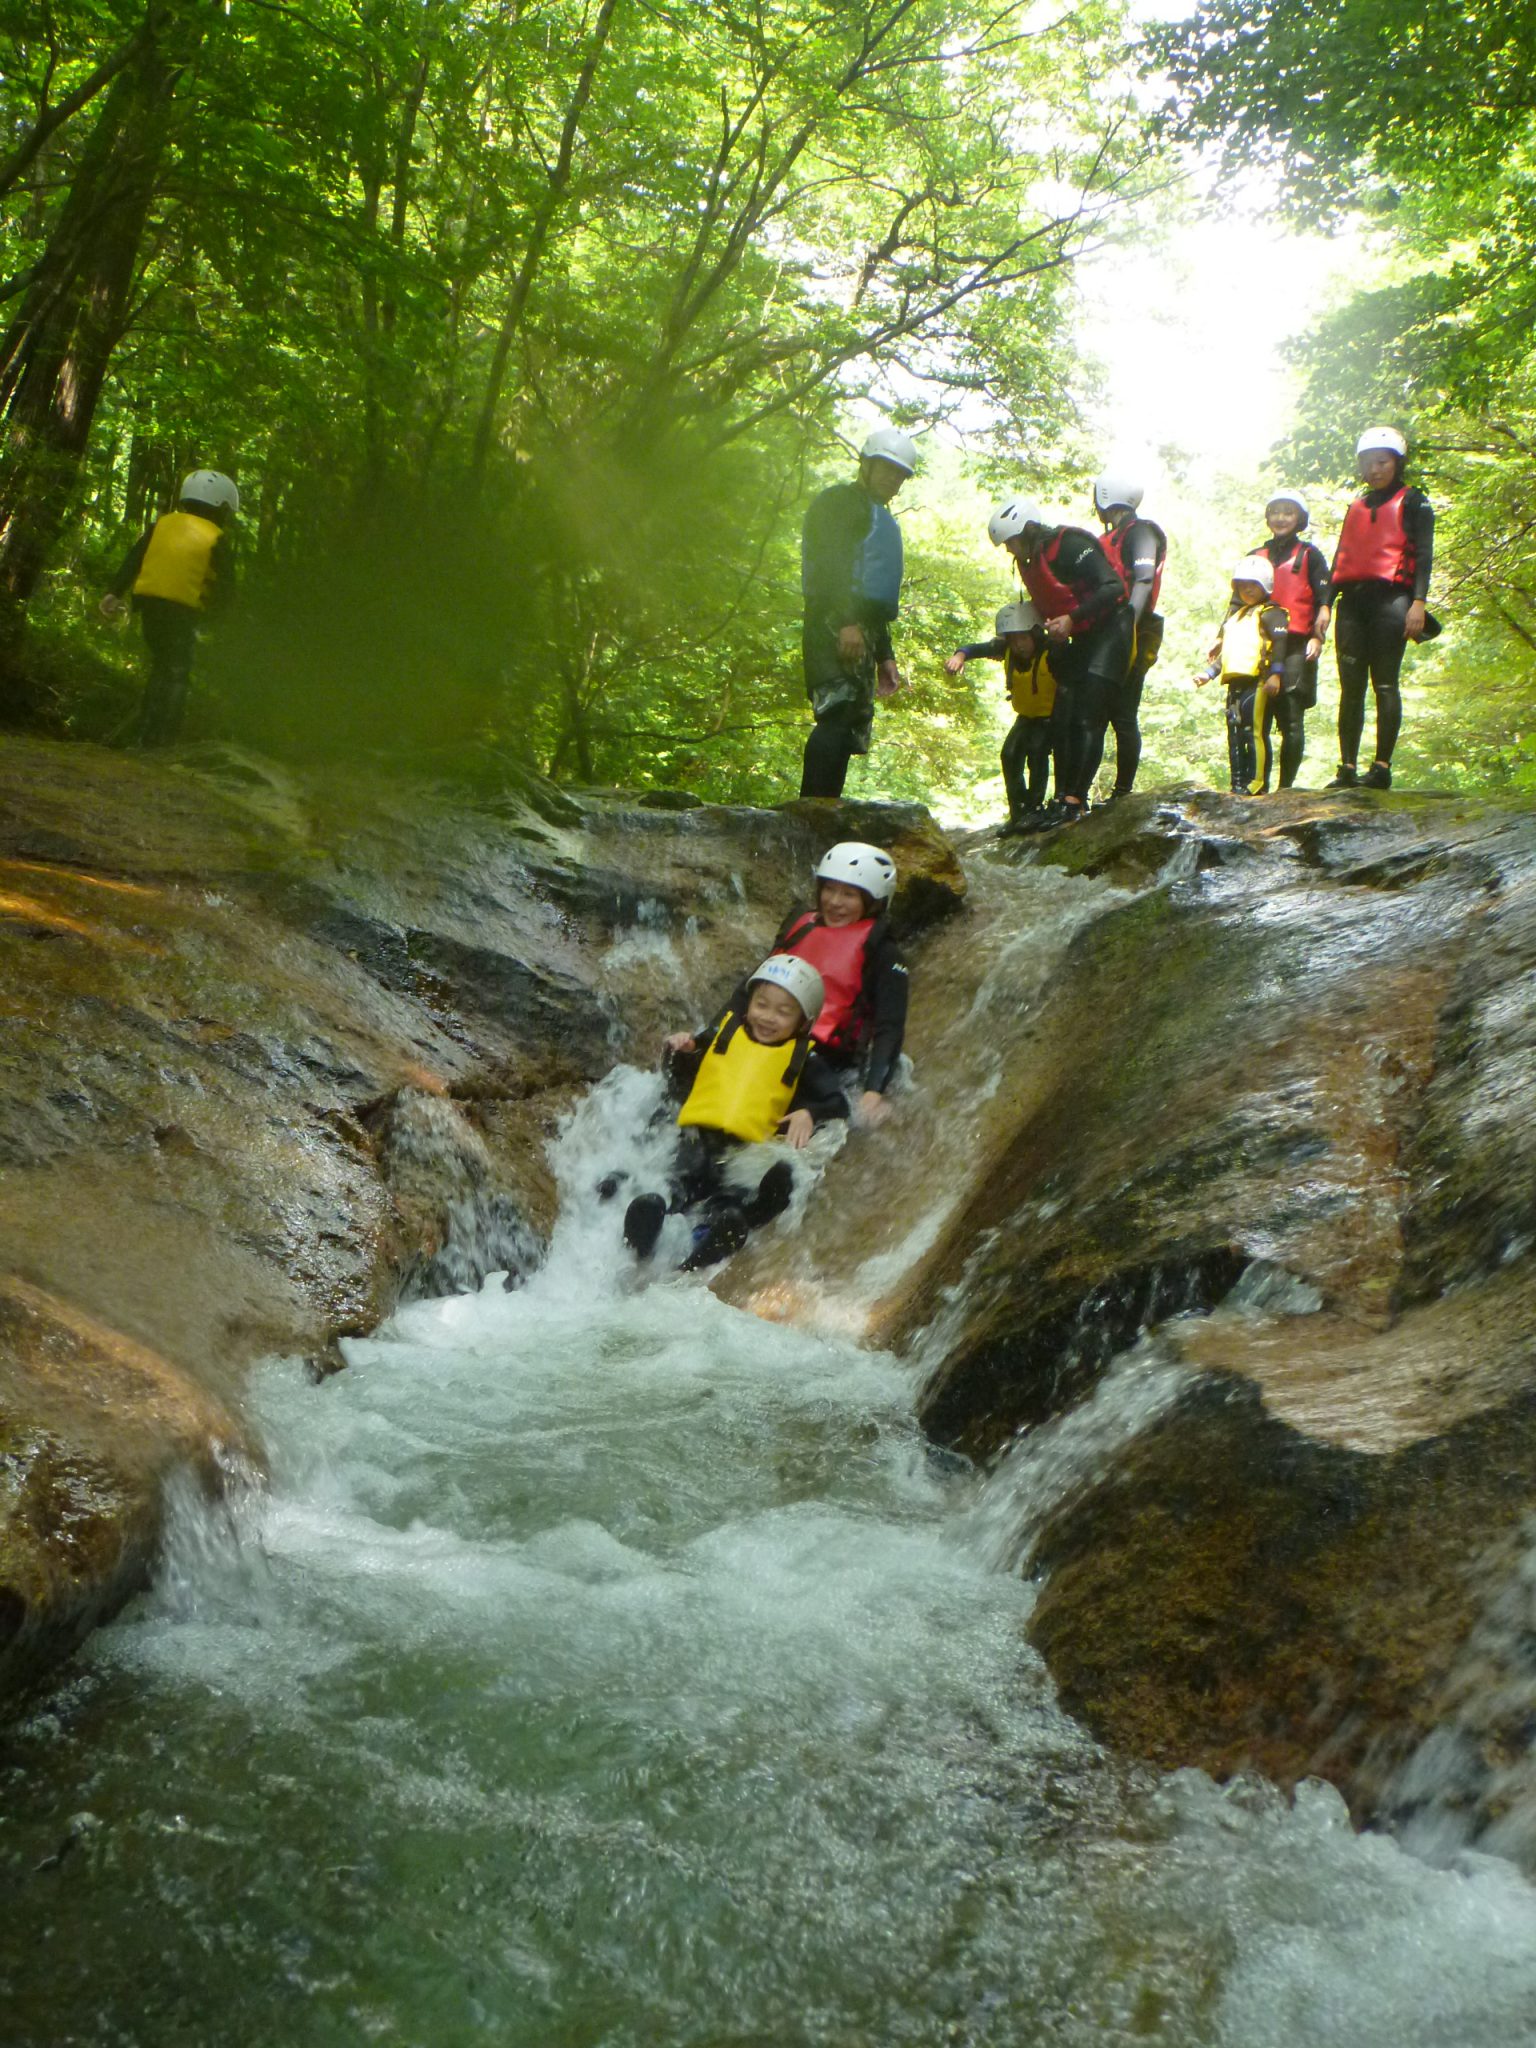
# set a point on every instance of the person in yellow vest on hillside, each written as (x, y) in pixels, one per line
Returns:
(1249, 657)
(753, 1075)
(182, 567)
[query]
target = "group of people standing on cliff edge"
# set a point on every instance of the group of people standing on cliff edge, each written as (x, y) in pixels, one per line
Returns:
(1078, 644)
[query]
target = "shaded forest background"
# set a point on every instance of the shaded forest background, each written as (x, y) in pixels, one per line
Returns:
(528, 330)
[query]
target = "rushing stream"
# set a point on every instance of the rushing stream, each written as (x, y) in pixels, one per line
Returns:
(603, 1665)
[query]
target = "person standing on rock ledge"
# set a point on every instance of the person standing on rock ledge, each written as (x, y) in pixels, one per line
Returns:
(181, 565)
(1380, 582)
(850, 576)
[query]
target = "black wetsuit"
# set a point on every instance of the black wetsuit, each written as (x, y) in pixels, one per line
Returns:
(842, 694)
(1146, 549)
(170, 633)
(1090, 667)
(1369, 635)
(1298, 685)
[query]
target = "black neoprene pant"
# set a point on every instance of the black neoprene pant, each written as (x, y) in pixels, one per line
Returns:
(1370, 640)
(170, 639)
(1090, 674)
(1123, 718)
(1026, 763)
(1289, 713)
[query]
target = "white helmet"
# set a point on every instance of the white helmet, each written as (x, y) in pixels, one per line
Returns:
(797, 978)
(1113, 488)
(861, 867)
(209, 487)
(1386, 438)
(1290, 498)
(890, 444)
(1018, 617)
(1256, 569)
(1010, 520)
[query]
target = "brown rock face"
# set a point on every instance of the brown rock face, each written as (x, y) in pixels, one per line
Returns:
(1307, 1049)
(267, 1042)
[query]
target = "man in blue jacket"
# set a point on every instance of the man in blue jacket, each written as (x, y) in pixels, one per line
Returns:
(850, 573)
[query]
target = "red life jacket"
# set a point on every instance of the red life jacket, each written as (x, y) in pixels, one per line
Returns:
(1375, 545)
(1052, 597)
(1113, 544)
(1293, 588)
(837, 953)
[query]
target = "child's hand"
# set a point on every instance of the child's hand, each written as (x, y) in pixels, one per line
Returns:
(1272, 687)
(111, 607)
(681, 1041)
(797, 1128)
(1200, 678)
(955, 663)
(873, 1108)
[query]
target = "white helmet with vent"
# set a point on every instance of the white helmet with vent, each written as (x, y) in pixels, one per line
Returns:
(890, 444)
(797, 978)
(1255, 569)
(209, 487)
(1018, 617)
(1011, 518)
(1383, 439)
(1113, 488)
(1291, 498)
(868, 868)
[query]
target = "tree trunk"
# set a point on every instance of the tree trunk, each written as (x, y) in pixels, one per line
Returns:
(55, 353)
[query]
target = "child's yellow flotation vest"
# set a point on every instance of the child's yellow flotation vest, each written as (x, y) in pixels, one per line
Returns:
(1245, 644)
(744, 1088)
(1031, 686)
(178, 563)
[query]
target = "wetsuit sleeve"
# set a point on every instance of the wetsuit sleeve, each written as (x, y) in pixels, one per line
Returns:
(1319, 576)
(221, 584)
(887, 989)
(1081, 562)
(132, 562)
(1419, 518)
(1143, 551)
(817, 1091)
(1276, 623)
(986, 650)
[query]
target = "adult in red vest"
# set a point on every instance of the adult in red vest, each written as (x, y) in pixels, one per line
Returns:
(847, 939)
(1138, 550)
(1090, 630)
(1301, 590)
(179, 568)
(1379, 584)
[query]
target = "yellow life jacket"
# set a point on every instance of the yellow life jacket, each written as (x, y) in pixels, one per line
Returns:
(1245, 644)
(744, 1088)
(1031, 686)
(178, 563)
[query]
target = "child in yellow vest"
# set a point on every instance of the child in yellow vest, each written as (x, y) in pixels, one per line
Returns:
(1249, 657)
(173, 573)
(1020, 645)
(753, 1075)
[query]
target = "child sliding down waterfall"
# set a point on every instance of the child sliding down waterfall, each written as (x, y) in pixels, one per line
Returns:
(752, 1075)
